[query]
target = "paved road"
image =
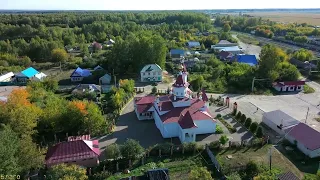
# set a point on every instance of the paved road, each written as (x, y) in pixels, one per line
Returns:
(249, 48)
(128, 126)
(296, 105)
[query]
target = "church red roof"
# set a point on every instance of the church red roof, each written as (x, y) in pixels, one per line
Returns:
(179, 82)
(204, 95)
(145, 100)
(142, 108)
(186, 121)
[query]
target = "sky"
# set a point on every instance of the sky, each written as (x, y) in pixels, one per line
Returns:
(153, 4)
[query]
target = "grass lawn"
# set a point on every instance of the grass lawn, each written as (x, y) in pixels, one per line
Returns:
(243, 156)
(179, 166)
(63, 77)
(247, 39)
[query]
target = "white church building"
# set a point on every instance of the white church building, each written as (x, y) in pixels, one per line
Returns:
(178, 114)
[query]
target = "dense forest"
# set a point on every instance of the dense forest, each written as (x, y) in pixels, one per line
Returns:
(266, 28)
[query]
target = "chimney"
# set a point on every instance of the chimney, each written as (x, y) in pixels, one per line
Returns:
(200, 95)
(174, 97)
(158, 99)
(160, 108)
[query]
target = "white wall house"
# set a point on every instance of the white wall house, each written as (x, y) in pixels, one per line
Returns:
(177, 114)
(279, 121)
(151, 73)
(39, 77)
(6, 77)
(289, 86)
(306, 139)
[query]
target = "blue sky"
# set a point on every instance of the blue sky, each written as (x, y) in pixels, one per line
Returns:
(153, 4)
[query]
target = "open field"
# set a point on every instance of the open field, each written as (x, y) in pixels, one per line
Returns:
(261, 156)
(287, 17)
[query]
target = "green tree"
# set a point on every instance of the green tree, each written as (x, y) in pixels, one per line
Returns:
(197, 83)
(199, 173)
(131, 149)
(127, 85)
(223, 139)
(9, 150)
(248, 123)
(303, 55)
(254, 127)
(66, 172)
(203, 47)
(259, 132)
(113, 151)
(288, 72)
(239, 115)
(226, 27)
(243, 118)
(252, 169)
(154, 90)
(271, 57)
(50, 84)
(59, 55)
(94, 123)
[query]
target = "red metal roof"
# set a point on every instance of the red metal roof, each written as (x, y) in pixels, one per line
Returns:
(145, 100)
(142, 108)
(306, 135)
(165, 105)
(204, 95)
(179, 82)
(186, 121)
(72, 151)
(174, 114)
(291, 83)
(224, 54)
(75, 138)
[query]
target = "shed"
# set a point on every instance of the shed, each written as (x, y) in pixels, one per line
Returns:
(39, 77)
(6, 77)
(193, 44)
(247, 59)
(306, 138)
(279, 121)
(105, 79)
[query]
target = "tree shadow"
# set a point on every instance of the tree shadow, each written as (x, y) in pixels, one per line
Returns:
(226, 150)
(221, 109)
(249, 147)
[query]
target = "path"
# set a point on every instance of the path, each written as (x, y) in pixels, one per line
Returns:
(248, 48)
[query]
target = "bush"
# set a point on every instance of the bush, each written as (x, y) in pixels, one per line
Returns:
(200, 173)
(214, 145)
(307, 89)
(223, 139)
(219, 129)
(113, 151)
(238, 115)
(190, 147)
(154, 90)
(131, 149)
(218, 115)
(259, 132)
(248, 123)
(227, 125)
(251, 170)
(234, 112)
(243, 118)
(253, 127)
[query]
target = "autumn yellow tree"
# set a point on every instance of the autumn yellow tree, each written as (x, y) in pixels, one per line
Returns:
(59, 55)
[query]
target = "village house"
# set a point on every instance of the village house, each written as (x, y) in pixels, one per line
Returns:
(288, 86)
(98, 68)
(78, 74)
(246, 59)
(151, 73)
(80, 151)
(105, 82)
(193, 44)
(177, 114)
(6, 77)
(306, 139)
(39, 77)
(225, 56)
(234, 50)
(177, 54)
(279, 121)
(95, 46)
(25, 75)
(86, 88)
(223, 44)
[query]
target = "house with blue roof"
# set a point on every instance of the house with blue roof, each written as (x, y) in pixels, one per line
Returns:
(177, 54)
(25, 75)
(247, 59)
(78, 74)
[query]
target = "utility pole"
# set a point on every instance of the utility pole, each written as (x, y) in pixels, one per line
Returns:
(254, 79)
(307, 115)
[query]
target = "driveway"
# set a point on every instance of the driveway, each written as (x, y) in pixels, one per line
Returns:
(128, 126)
